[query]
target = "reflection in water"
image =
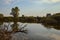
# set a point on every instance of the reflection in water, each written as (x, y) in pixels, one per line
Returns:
(56, 34)
(57, 27)
(35, 32)
(56, 37)
(6, 34)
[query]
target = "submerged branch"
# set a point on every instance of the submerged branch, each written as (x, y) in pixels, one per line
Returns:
(23, 27)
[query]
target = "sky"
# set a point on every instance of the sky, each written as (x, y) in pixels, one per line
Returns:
(30, 7)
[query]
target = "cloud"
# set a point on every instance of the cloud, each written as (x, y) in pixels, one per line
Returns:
(7, 1)
(11, 1)
(34, 1)
(45, 1)
(55, 0)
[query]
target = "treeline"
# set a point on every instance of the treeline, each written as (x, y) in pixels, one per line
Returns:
(51, 19)
(23, 19)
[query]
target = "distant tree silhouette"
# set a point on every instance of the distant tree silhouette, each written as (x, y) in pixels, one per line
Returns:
(1, 18)
(22, 15)
(48, 15)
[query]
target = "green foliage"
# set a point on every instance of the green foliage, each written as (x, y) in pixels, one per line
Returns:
(15, 11)
(52, 20)
(1, 19)
(1, 15)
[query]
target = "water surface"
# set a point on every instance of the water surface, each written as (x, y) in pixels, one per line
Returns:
(36, 32)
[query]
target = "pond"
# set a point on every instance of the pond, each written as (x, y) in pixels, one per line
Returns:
(36, 32)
